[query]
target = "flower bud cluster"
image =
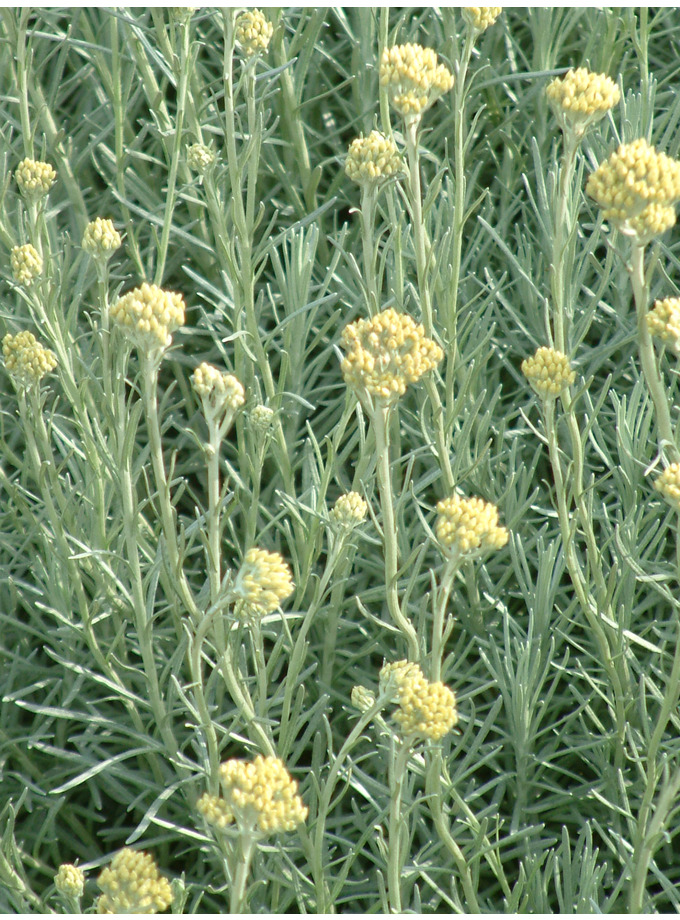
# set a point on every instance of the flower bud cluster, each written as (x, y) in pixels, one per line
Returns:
(468, 525)
(132, 884)
(218, 392)
(200, 158)
(549, 372)
(26, 359)
(654, 220)
(34, 178)
(663, 322)
(70, 881)
(362, 698)
(349, 510)
(479, 18)
(253, 32)
(262, 419)
(425, 709)
(27, 264)
(371, 160)
(262, 583)
(632, 178)
(668, 484)
(101, 239)
(413, 77)
(260, 796)
(148, 315)
(581, 98)
(387, 353)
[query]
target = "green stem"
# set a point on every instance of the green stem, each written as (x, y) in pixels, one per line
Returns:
(397, 831)
(239, 882)
(441, 628)
(419, 238)
(367, 215)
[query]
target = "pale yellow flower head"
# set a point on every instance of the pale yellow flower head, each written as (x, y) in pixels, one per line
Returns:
(668, 484)
(200, 158)
(101, 239)
(468, 525)
(34, 178)
(371, 160)
(219, 392)
(549, 372)
(633, 177)
(349, 510)
(414, 78)
(383, 355)
(663, 322)
(253, 32)
(27, 264)
(650, 223)
(362, 698)
(262, 419)
(479, 18)
(132, 884)
(26, 359)
(260, 796)
(425, 709)
(70, 881)
(148, 315)
(263, 582)
(581, 98)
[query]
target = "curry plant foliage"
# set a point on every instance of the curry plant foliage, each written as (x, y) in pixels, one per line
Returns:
(339, 460)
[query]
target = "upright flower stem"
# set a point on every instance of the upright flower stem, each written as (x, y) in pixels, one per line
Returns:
(397, 843)
(243, 858)
(381, 418)
(367, 217)
(411, 125)
(441, 629)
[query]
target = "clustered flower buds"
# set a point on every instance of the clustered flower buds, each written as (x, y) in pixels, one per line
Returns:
(132, 884)
(260, 796)
(387, 353)
(468, 525)
(634, 177)
(668, 484)
(101, 239)
(27, 264)
(70, 881)
(371, 160)
(148, 315)
(663, 322)
(654, 220)
(26, 359)
(581, 98)
(262, 583)
(425, 709)
(253, 32)
(262, 419)
(362, 698)
(219, 393)
(413, 77)
(479, 18)
(200, 158)
(34, 178)
(349, 510)
(549, 372)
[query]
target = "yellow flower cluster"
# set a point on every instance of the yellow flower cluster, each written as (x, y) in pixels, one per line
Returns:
(148, 315)
(263, 582)
(253, 32)
(27, 264)
(668, 484)
(480, 18)
(372, 159)
(549, 372)
(467, 525)
(581, 98)
(652, 222)
(34, 178)
(101, 239)
(262, 419)
(26, 359)
(387, 353)
(362, 698)
(70, 881)
(132, 884)
(260, 796)
(218, 392)
(349, 510)
(413, 77)
(663, 321)
(425, 709)
(200, 158)
(633, 177)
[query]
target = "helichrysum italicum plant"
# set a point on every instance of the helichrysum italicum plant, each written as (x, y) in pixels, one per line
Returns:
(200, 158)
(468, 525)
(549, 372)
(148, 315)
(668, 484)
(70, 880)
(101, 239)
(373, 159)
(262, 583)
(26, 360)
(132, 884)
(414, 78)
(34, 178)
(581, 98)
(663, 321)
(480, 18)
(349, 510)
(219, 392)
(27, 264)
(253, 32)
